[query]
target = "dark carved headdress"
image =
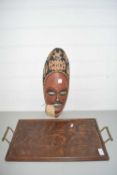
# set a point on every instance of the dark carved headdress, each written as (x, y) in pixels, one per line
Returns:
(57, 61)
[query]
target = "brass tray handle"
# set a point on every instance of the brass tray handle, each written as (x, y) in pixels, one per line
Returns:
(108, 132)
(4, 138)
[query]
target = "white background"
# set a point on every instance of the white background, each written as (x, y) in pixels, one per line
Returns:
(85, 29)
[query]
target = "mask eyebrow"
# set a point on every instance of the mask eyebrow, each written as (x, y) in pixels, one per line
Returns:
(51, 91)
(63, 90)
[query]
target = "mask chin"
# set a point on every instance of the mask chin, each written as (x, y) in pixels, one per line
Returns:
(57, 114)
(51, 111)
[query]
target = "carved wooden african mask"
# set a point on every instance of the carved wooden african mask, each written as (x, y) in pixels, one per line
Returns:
(56, 81)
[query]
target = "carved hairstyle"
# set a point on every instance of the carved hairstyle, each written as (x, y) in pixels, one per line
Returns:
(57, 61)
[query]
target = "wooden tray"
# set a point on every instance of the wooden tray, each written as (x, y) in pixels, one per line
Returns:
(57, 140)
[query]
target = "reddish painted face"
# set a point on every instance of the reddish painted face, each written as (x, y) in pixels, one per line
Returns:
(55, 90)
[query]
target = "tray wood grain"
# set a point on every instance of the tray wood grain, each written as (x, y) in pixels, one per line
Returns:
(57, 140)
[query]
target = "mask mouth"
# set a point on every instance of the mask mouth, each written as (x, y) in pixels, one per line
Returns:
(57, 105)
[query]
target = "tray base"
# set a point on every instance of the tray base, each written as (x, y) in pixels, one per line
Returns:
(57, 140)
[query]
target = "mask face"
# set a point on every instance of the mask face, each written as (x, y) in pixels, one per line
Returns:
(56, 80)
(56, 90)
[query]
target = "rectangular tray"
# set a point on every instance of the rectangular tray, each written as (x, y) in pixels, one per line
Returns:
(57, 140)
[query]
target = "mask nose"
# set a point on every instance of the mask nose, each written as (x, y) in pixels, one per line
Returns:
(57, 97)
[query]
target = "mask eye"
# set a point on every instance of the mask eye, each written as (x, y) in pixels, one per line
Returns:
(62, 93)
(51, 93)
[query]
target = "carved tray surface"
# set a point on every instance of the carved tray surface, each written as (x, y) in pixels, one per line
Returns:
(57, 140)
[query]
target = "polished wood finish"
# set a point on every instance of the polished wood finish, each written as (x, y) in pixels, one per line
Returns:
(57, 140)
(56, 75)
